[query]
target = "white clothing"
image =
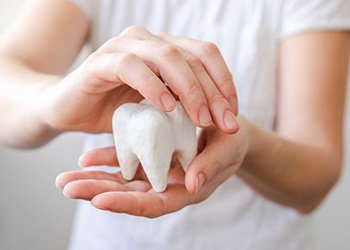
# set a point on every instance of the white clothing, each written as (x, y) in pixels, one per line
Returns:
(248, 34)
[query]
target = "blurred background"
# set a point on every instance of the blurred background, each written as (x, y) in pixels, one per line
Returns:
(34, 215)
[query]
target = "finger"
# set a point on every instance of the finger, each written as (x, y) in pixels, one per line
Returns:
(213, 160)
(63, 179)
(106, 157)
(169, 64)
(213, 62)
(220, 109)
(117, 68)
(99, 157)
(87, 189)
(150, 204)
(139, 185)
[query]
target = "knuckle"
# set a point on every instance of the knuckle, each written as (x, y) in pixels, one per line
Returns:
(192, 89)
(161, 34)
(125, 60)
(149, 44)
(131, 30)
(110, 43)
(193, 62)
(169, 50)
(209, 48)
(215, 98)
(226, 83)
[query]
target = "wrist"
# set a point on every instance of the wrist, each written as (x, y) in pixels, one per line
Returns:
(249, 129)
(41, 110)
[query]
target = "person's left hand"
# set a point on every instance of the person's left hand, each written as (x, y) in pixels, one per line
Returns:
(219, 157)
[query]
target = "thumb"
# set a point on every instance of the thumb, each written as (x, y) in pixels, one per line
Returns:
(205, 166)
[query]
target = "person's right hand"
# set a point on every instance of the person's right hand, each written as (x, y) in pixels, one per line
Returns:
(219, 157)
(139, 64)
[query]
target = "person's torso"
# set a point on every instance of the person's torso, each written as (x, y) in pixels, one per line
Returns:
(234, 217)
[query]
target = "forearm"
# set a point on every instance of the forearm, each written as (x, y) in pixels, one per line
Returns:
(290, 173)
(21, 106)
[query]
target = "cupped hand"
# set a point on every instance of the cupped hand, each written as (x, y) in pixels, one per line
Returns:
(219, 157)
(138, 64)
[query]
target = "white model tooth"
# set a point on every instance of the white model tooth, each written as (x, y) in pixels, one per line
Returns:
(128, 162)
(185, 158)
(144, 133)
(156, 169)
(185, 138)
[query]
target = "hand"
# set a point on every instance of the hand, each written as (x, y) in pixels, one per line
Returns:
(220, 156)
(139, 64)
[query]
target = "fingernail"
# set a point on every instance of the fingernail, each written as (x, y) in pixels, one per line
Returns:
(58, 184)
(200, 180)
(79, 161)
(204, 116)
(230, 120)
(168, 102)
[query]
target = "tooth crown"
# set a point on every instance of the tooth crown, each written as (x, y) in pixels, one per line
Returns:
(143, 133)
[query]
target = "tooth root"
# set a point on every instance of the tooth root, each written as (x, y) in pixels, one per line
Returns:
(185, 157)
(187, 150)
(156, 169)
(160, 133)
(186, 141)
(128, 163)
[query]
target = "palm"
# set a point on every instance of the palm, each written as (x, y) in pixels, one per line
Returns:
(109, 191)
(219, 154)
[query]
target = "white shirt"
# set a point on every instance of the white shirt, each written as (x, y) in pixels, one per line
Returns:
(248, 33)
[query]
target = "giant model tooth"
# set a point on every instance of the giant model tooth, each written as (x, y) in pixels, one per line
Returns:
(143, 133)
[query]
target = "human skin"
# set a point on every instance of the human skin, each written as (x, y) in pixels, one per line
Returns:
(296, 165)
(35, 53)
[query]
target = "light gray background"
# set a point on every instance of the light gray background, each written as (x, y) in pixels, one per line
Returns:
(34, 215)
